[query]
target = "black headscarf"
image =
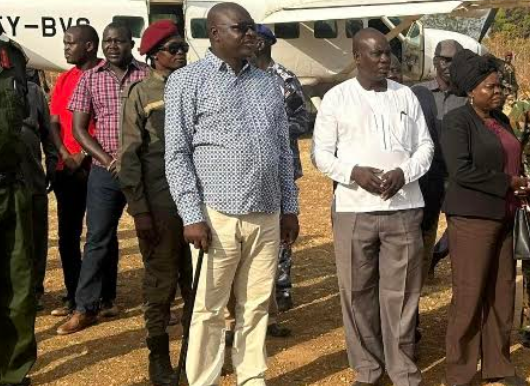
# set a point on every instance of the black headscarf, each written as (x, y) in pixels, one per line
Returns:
(469, 69)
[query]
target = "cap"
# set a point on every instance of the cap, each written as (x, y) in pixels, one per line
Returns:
(155, 34)
(266, 33)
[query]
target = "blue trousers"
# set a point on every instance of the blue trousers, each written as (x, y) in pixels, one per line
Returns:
(105, 203)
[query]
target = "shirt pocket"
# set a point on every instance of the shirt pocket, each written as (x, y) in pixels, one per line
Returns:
(401, 133)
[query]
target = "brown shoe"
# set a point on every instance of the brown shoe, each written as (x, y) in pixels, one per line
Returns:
(77, 322)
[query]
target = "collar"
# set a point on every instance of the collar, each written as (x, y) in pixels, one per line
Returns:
(221, 65)
(158, 76)
(433, 85)
(105, 65)
(272, 66)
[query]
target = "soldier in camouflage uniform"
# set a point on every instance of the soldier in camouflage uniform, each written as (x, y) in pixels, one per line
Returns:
(298, 116)
(18, 348)
(166, 256)
(519, 114)
(508, 78)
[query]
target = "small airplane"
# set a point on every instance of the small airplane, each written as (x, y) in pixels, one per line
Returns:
(314, 36)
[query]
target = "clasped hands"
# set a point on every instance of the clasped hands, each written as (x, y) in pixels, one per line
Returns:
(373, 180)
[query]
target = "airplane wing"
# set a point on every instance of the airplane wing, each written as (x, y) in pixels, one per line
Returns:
(286, 11)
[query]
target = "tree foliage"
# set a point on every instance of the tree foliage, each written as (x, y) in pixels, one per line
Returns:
(513, 22)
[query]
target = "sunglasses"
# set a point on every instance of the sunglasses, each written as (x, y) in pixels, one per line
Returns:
(242, 27)
(174, 48)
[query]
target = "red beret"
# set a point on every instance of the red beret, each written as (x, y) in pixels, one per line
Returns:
(156, 33)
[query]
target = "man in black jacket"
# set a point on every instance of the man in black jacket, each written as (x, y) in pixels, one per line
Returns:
(437, 99)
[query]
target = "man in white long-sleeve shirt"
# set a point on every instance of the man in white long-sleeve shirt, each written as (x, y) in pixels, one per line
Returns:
(371, 137)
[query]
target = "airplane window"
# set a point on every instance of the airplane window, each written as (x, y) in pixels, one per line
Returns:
(198, 29)
(352, 27)
(287, 30)
(164, 12)
(395, 20)
(379, 25)
(326, 29)
(414, 31)
(135, 23)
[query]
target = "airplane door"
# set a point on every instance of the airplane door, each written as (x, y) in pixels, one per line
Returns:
(414, 53)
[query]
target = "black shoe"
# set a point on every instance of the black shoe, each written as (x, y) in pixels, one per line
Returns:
(285, 303)
(277, 331)
(513, 380)
(25, 382)
(160, 371)
(229, 338)
(525, 339)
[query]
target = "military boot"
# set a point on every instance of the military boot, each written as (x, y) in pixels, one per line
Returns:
(160, 371)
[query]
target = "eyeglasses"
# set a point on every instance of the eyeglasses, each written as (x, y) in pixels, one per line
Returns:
(174, 48)
(242, 27)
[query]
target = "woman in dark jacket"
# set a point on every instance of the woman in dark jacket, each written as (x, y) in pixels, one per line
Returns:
(483, 159)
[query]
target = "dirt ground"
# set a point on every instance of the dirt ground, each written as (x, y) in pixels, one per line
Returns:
(114, 353)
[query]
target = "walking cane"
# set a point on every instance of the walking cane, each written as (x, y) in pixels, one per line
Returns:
(187, 318)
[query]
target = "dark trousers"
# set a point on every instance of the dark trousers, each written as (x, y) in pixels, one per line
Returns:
(70, 191)
(379, 268)
(482, 307)
(525, 311)
(166, 263)
(105, 203)
(283, 277)
(39, 214)
(18, 348)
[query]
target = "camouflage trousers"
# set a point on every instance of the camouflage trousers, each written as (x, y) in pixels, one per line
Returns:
(525, 313)
(283, 278)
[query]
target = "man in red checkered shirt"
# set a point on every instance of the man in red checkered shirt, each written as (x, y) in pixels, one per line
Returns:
(98, 96)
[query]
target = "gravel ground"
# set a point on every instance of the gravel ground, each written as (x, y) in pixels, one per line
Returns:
(114, 353)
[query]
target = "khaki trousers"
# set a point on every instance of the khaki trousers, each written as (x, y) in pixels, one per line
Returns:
(243, 255)
(230, 313)
(482, 306)
(379, 268)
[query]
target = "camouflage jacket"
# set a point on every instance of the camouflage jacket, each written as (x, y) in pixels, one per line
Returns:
(508, 79)
(295, 105)
(518, 114)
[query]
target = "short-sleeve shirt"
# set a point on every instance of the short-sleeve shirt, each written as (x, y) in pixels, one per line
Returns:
(99, 93)
(61, 95)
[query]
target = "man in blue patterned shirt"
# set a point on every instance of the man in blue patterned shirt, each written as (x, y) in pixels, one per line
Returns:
(230, 172)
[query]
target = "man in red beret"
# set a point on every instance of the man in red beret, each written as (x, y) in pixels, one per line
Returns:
(141, 169)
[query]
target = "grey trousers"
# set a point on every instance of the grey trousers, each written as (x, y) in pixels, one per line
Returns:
(379, 268)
